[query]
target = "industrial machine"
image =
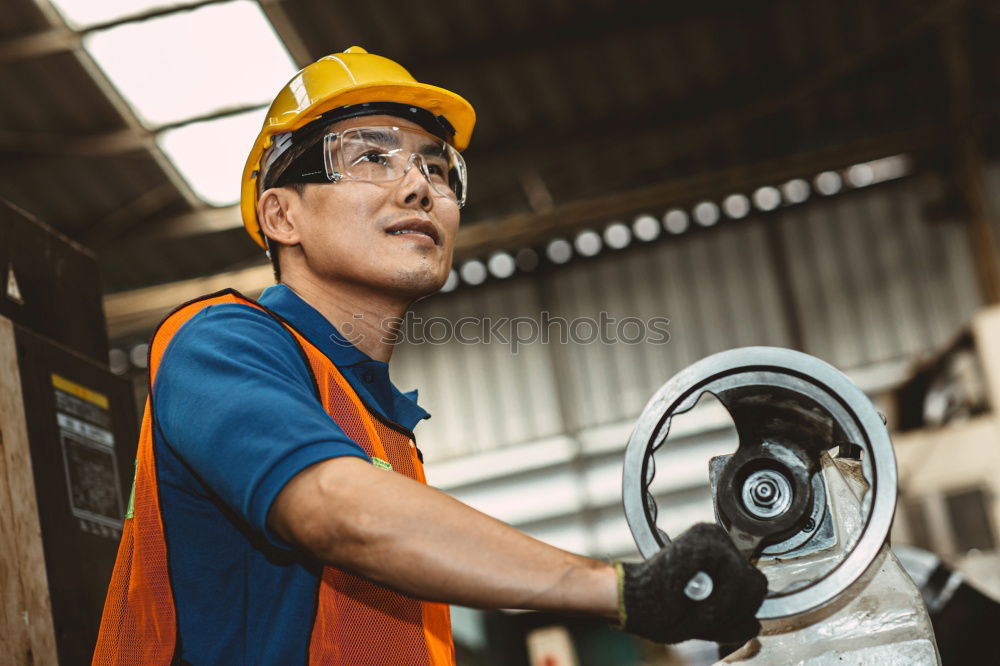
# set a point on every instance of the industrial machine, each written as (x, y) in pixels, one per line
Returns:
(67, 442)
(808, 496)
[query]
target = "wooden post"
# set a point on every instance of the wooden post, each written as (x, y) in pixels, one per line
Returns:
(27, 635)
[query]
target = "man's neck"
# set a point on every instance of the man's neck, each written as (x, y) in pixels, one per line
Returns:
(366, 318)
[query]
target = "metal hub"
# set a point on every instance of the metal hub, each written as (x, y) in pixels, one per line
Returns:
(789, 408)
(767, 493)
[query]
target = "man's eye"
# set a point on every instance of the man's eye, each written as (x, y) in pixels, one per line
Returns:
(373, 156)
(436, 169)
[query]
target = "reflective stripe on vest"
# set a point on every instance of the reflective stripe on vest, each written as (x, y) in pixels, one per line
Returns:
(356, 621)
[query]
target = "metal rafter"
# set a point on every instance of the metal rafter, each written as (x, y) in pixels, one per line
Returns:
(38, 44)
(287, 32)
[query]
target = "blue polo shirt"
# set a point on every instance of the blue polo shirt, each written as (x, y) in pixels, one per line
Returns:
(237, 417)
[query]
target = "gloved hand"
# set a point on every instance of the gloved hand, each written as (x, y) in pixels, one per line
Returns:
(652, 603)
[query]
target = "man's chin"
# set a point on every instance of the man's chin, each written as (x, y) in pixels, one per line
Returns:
(418, 284)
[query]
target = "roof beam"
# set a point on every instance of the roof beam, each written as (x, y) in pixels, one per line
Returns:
(534, 229)
(287, 32)
(139, 310)
(120, 220)
(53, 40)
(98, 144)
(203, 221)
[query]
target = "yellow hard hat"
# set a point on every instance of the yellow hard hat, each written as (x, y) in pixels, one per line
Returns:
(343, 79)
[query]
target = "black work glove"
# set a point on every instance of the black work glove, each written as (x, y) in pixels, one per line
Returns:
(653, 605)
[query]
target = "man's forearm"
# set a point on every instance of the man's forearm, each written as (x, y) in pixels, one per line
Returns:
(426, 544)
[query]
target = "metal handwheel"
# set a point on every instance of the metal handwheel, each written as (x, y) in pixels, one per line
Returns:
(789, 408)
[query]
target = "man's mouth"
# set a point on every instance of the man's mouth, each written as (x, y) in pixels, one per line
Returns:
(414, 226)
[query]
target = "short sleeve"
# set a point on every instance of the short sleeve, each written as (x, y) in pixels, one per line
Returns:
(234, 400)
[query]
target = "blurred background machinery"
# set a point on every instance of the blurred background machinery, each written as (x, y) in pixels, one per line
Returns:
(819, 175)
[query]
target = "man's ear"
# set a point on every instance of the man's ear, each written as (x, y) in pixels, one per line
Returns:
(277, 210)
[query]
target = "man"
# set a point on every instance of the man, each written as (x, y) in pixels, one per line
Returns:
(280, 513)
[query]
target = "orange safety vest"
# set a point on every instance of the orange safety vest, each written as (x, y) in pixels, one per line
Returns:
(357, 622)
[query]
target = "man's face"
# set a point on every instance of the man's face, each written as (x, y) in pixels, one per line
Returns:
(395, 236)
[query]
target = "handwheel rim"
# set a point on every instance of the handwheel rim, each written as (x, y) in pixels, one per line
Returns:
(879, 466)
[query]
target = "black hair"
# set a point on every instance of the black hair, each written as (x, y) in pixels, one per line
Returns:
(306, 138)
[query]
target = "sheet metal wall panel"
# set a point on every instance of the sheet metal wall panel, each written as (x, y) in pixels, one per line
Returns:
(481, 396)
(902, 302)
(947, 268)
(991, 182)
(592, 390)
(872, 280)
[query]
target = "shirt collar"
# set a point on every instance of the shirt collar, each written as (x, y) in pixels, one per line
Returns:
(403, 408)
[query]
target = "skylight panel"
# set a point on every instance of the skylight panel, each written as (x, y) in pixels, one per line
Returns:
(210, 154)
(82, 14)
(194, 63)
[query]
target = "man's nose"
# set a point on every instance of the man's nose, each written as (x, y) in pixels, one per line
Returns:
(415, 186)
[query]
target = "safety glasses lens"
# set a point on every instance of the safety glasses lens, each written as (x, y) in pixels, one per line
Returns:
(384, 154)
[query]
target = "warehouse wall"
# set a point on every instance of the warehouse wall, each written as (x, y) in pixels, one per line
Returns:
(872, 281)
(865, 280)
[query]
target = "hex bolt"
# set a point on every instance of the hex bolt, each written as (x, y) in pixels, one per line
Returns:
(766, 493)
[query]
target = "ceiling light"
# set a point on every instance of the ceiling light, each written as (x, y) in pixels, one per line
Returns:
(795, 191)
(451, 282)
(118, 361)
(767, 198)
(889, 168)
(676, 221)
(559, 251)
(139, 354)
(617, 236)
(194, 63)
(588, 243)
(473, 272)
(860, 175)
(527, 259)
(706, 213)
(646, 228)
(210, 154)
(501, 265)
(736, 206)
(828, 182)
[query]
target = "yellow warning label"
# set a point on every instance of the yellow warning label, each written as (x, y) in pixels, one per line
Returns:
(81, 392)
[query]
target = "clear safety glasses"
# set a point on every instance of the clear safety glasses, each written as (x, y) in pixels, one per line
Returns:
(383, 154)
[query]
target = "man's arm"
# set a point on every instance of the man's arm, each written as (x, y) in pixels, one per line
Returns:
(426, 544)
